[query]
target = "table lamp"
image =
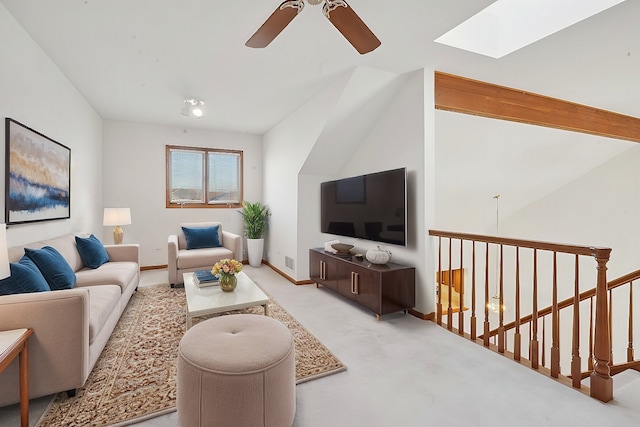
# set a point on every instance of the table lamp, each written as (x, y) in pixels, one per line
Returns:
(117, 217)
(5, 271)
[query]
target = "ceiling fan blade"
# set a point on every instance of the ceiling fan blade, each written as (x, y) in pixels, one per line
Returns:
(345, 19)
(274, 25)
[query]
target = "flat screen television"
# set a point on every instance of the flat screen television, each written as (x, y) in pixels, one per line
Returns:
(371, 207)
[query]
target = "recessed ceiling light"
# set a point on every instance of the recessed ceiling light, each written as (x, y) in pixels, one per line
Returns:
(508, 25)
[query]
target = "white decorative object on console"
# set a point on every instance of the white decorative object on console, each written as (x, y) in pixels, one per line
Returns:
(378, 256)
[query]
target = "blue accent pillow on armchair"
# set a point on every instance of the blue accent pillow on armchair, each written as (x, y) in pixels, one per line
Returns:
(92, 251)
(202, 237)
(25, 278)
(55, 269)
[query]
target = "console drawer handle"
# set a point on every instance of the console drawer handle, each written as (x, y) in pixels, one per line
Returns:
(355, 283)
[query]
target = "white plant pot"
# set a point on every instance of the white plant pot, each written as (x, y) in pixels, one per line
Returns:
(254, 251)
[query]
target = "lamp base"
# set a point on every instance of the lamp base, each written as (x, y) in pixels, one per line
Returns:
(118, 234)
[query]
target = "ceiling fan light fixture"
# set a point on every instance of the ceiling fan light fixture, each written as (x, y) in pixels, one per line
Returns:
(193, 108)
(314, 2)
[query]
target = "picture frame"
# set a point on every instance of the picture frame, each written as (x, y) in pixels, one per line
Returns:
(37, 176)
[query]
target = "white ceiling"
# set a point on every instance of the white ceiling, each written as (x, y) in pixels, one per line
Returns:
(138, 60)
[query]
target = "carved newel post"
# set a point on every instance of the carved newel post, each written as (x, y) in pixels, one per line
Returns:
(601, 381)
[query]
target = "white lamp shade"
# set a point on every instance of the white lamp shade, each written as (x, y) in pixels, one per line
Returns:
(5, 271)
(117, 216)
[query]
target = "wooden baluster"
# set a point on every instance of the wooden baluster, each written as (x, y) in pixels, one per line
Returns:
(591, 322)
(501, 332)
(610, 327)
(516, 335)
(600, 379)
(576, 361)
(534, 314)
(440, 277)
(555, 322)
(486, 297)
(474, 333)
(530, 335)
(630, 345)
(461, 295)
(544, 339)
(450, 284)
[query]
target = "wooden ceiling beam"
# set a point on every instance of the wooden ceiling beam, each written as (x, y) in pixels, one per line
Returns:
(463, 95)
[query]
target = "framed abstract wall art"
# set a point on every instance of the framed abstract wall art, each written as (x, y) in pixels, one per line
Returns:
(37, 176)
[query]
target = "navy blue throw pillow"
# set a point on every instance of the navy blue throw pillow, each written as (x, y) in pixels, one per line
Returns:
(55, 269)
(25, 278)
(202, 237)
(92, 251)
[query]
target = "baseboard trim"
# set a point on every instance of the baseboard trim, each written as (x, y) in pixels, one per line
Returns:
(429, 316)
(286, 276)
(153, 267)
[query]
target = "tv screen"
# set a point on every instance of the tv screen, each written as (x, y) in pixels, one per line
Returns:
(371, 206)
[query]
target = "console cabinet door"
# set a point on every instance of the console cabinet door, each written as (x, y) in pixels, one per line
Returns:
(323, 269)
(366, 288)
(398, 290)
(345, 284)
(315, 266)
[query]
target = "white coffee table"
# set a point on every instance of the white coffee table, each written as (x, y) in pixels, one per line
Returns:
(212, 300)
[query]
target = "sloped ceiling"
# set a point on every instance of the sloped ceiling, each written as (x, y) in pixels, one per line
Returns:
(137, 61)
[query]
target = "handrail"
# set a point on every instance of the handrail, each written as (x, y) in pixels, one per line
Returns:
(531, 244)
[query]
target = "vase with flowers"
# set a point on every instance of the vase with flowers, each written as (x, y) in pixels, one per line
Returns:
(227, 269)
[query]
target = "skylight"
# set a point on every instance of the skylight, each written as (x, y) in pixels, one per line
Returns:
(508, 25)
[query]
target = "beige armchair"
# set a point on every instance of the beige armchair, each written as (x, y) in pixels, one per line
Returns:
(182, 260)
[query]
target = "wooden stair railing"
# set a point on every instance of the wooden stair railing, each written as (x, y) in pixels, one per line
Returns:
(543, 287)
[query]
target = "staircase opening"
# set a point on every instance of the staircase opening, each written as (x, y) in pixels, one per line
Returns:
(450, 285)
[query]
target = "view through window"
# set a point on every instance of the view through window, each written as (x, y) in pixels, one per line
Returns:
(203, 177)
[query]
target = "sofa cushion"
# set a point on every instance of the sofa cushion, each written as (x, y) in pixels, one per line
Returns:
(92, 251)
(53, 266)
(112, 273)
(182, 242)
(25, 278)
(200, 258)
(201, 237)
(103, 301)
(65, 244)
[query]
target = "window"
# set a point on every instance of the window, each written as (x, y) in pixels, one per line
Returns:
(203, 177)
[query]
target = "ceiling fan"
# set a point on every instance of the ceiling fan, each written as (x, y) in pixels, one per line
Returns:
(341, 15)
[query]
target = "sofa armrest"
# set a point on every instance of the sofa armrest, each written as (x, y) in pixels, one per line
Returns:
(172, 258)
(233, 242)
(129, 252)
(59, 346)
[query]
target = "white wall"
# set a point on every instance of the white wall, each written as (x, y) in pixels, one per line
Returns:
(135, 176)
(286, 148)
(34, 92)
(600, 208)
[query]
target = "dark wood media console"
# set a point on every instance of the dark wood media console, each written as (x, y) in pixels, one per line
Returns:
(383, 289)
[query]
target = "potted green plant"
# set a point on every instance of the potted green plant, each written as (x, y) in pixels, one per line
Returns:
(255, 217)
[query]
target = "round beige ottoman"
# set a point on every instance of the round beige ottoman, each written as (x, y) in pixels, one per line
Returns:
(236, 370)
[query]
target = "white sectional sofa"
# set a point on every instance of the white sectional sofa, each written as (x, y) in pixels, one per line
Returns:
(71, 326)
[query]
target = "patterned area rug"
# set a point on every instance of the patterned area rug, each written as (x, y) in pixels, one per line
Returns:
(135, 376)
